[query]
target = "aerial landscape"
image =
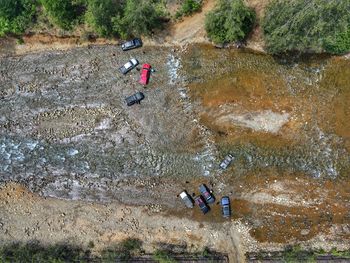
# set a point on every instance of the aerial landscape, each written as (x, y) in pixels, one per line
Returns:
(174, 131)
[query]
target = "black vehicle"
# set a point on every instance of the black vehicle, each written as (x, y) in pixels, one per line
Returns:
(201, 203)
(226, 162)
(136, 98)
(187, 199)
(135, 43)
(225, 206)
(209, 198)
(129, 66)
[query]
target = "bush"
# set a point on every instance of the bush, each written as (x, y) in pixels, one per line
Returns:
(63, 13)
(34, 252)
(123, 251)
(100, 14)
(140, 17)
(163, 256)
(230, 21)
(307, 26)
(189, 7)
(340, 44)
(16, 15)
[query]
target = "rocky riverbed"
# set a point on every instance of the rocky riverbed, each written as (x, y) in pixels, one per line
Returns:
(67, 133)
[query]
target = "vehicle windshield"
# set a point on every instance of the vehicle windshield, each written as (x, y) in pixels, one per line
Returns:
(129, 44)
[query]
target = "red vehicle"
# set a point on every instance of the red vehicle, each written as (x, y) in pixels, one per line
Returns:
(145, 74)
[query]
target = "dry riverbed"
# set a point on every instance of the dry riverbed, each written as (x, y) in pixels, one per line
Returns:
(78, 165)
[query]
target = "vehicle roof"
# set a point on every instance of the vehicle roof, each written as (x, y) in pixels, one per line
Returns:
(129, 43)
(225, 200)
(128, 64)
(203, 187)
(183, 194)
(198, 197)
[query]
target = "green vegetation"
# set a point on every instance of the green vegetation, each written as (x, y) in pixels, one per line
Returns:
(230, 21)
(123, 18)
(63, 13)
(34, 252)
(139, 17)
(293, 254)
(343, 254)
(189, 7)
(16, 15)
(307, 26)
(123, 251)
(296, 254)
(99, 15)
(163, 256)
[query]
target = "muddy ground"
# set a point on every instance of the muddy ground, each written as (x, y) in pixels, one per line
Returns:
(66, 133)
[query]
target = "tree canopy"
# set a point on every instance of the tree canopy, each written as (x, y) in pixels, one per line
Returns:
(140, 17)
(16, 15)
(314, 25)
(100, 14)
(230, 21)
(63, 13)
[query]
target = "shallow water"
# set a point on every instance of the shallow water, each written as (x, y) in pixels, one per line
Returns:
(270, 112)
(66, 131)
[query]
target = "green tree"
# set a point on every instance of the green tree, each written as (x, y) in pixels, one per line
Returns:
(307, 26)
(230, 21)
(16, 15)
(189, 7)
(63, 13)
(100, 14)
(339, 44)
(140, 17)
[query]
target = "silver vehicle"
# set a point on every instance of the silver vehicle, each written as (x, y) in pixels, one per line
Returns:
(227, 161)
(187, 199)
(132, 63)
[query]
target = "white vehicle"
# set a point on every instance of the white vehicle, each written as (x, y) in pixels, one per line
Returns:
(132, 63)
(227, 161)
(187, 199)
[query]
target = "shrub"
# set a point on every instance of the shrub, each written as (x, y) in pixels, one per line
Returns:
(163, 256)
(140, 17)
(63, 13)
(34, 252)
(307, 26)
(16, 15)
(123, 251)
(340, 44)
(100, 14)
(189, 7)
(230, 21)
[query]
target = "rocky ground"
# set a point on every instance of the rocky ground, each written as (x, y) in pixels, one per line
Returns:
(78, 165)
(67, 133)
